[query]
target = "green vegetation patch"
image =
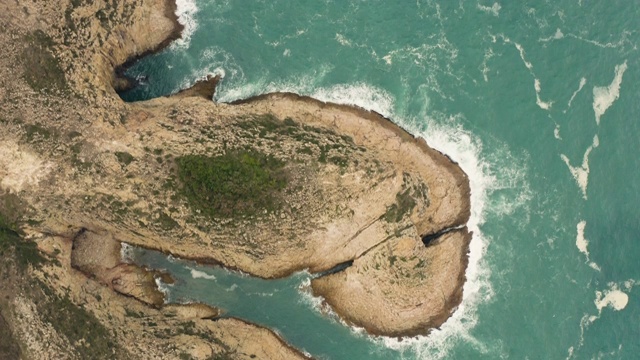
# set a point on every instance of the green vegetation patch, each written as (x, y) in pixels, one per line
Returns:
(90, 339)
(238, 183)
(12, 245)
(166, 222)
(34, 131)
(42, 70)
(404, 204)
(124, 158)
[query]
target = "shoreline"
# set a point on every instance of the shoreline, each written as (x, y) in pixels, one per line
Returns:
(122, 82)
(439, 320)
(206, 89)
(278, 337)
(441, 158)
(112, 254)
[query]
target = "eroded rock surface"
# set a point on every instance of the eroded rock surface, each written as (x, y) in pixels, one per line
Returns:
(416, 285)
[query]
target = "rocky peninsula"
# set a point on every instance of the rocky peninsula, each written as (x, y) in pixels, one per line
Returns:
(269, 185)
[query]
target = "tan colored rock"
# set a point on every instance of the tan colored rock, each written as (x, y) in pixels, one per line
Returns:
(402, 288)
(98, 256)
(95, 253)
(191, 311)
(253, 342)
(134, 281)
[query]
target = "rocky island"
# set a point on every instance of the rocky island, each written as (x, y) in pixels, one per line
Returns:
(269, 185)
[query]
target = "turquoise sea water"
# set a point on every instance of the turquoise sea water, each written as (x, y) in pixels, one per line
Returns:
(538, 102)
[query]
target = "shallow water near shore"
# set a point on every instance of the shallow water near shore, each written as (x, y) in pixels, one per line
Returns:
(537, 102)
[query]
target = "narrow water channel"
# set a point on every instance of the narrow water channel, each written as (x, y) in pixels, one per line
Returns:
(284, 305)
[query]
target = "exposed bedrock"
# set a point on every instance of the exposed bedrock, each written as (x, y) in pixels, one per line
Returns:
(401, 288)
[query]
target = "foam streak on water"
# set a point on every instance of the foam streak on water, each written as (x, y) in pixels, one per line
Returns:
(493, 9)
(582, 244)
(544, 105)
(197, 274)
(605, 96)
(581, 173)
(583, 82)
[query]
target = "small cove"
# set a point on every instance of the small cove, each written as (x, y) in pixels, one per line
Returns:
(283, 305)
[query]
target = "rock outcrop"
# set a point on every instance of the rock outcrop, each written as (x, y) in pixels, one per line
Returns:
(418, 286)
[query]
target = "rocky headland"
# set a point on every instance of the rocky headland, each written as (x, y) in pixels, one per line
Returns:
(269, 185)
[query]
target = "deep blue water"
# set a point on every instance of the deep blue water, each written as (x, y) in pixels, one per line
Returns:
(538, 103)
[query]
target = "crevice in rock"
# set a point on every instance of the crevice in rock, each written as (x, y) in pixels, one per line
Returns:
(383, 241)
(346, 264)
(336, 269)
(431, 239)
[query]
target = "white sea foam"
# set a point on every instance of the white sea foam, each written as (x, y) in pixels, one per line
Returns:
(214, 61)
(314, 303)
(522, 54)
(582, 244)
(585, 321)
(629, 284)
(343, 40)
(233, 287)
(358, 94)
(612, 298)
(484, 68)
(556, 36)
(197, 274)
(164, 288)
(186, 11)
(302, 85)
(544, 105)
(624, 39)
(581, 173)
(493, 9)
(605, 96)
(556, 132)
(583, 82)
